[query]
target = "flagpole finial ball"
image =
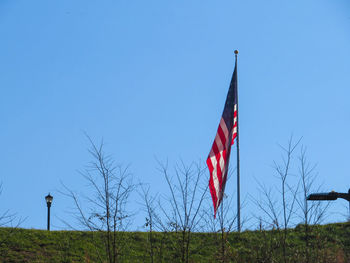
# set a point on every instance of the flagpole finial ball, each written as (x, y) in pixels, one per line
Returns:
(236, 51)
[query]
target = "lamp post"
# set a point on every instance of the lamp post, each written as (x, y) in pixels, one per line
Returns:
(48, 199)
(331, 196)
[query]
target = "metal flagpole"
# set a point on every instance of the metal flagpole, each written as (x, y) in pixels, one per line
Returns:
(238, 175)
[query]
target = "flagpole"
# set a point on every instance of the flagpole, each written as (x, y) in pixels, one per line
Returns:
(238, 174)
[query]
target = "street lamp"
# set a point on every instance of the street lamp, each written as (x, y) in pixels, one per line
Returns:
(331, 196)
(48, 199)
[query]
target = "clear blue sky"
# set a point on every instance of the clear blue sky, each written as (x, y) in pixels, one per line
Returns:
(151, 78)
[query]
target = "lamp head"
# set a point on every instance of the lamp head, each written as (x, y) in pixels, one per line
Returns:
(48, 199)
(323, 196)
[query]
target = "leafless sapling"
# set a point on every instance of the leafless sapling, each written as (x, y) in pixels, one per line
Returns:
(280, 208)
(181, 211)
(105, 211)
(311, 212)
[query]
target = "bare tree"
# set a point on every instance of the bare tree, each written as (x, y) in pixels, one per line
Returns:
(105, 210)
(223, 225)
(9, 224)
(270, 206)
(6, 217)
(279, 209)
(283, 171)
(149, 206)
(181, 214)
(281, 205)
(311, 212)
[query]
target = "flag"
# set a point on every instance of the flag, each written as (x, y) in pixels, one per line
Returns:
(218, 159)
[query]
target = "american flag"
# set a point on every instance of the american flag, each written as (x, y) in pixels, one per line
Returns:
(219, 155)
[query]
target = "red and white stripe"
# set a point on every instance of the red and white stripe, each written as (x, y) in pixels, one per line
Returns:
(218, 159)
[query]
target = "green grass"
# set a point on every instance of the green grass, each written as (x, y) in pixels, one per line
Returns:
(327, 243)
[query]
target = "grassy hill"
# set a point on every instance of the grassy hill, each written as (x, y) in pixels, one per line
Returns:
(326, 243)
